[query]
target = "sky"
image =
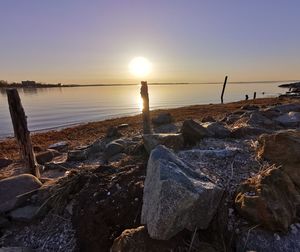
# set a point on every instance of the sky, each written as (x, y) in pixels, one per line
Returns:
(88, 42)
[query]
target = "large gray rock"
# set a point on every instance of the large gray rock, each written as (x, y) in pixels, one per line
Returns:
(193, 132)
(11, 187)
(4, 162)
(113, 148)
(24, 214)
(172, 140)
(46, 156)
(175, 196)
(261, 240)
(291, 119)
(285, 108)
(166, 128)
(162, 118)
(59, 146)
(217, 129)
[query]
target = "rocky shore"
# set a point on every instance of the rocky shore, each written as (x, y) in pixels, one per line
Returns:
(209, 178)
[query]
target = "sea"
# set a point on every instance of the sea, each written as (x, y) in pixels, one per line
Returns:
(54, 108)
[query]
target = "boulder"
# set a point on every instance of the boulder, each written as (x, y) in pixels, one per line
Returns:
(175, 196)
(171, 140)
(4, 162)
(281, 147)
(162, 118)
(46, 156)
(250, 107)
(113, 148)
(269, 199)
(24, 214)
(290, 119)
(285, 108)
(193, 132)
(208, 119)
(12, 187)
(112, 131)
(217, 129)
(59, 146)
(79, 154)
(138, 240)
(4, 222)
(246, 131)
(257, 119)
(166, 128)
(261, 240)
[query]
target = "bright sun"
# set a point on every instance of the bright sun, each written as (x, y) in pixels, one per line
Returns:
(140, 67)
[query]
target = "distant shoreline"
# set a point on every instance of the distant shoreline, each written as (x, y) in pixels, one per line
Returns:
(37, 86)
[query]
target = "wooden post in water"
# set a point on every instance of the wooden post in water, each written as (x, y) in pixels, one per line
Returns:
(254, 96)
(223, 90)
(146, 111)
(22, 133)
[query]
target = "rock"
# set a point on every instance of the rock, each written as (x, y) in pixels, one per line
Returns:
(4, 222)
(166, 128)
(281, 147)
(175, 196)
(217, 129)
(4, 162)
(60, 146)
(269, 199)
(291, 119)
(78, 154)
(193, 132)
(262, 240)
(24, 214)
(138, 240)
(123, 126)
(285, 108)
(118, 157)
(208, 119)
(250, 107)
(112, 131)
(172, 140)
(11, 187)
(257, 119)
(162, 118)
(113, 148)
(46, 156)
(245, 131)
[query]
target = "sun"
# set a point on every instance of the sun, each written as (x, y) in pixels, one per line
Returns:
(140, 67)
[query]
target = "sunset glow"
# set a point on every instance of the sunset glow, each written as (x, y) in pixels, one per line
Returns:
(140, 67)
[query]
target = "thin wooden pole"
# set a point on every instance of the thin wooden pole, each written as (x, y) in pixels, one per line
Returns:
(21, 131)
(146, 110)
(223, 90)
(254, 96)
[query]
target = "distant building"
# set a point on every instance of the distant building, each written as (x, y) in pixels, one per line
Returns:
(28, 83)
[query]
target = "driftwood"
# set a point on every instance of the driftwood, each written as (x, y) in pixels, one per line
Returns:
(21, 131)
(146, 110)
(223, 90)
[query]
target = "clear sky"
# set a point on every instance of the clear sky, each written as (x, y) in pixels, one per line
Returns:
(80, 41)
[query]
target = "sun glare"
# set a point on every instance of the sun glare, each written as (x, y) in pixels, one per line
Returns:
(140, 67)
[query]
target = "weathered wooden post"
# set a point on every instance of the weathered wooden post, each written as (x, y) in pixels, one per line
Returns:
(254, 96)
(21, 131)
(223, 90)
(146, 111)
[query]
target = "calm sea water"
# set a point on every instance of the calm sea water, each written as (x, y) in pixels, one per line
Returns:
(60, 107)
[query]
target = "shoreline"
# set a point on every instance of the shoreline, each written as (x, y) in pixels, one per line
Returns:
(86, 133)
